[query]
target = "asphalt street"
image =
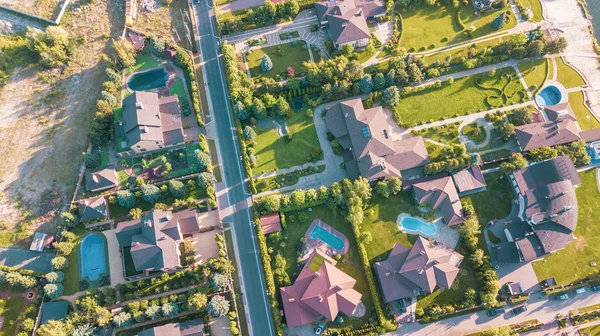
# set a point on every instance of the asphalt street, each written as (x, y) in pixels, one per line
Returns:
(238, 200)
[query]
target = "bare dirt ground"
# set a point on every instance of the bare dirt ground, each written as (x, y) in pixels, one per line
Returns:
(44, 127)
(165, 22)
(12, 23)
(47, 9)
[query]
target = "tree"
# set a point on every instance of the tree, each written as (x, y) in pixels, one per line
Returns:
(271, 203)
(370, 49)
(68, 236)
(519, 40)
(219, 282)
(390, 78)
(520, 116)
(577, 151)
(535, 48)
(366, 237)
(258, 107)
(177, 188)
(150, 193)
(65, 248)
(382, 189)
(126, 198)
(379, 82)
(203, 159)
(84, 330)
(517, 161)
(298, 197)
(52, 47)
(506, 130)
(366, 84)
(53, 291)
(91, 160)
(556, 46)
(543, 153)
(59, 263)
(135, 213)
(153, 312)
(497, 331)
(241, 111)
(292, 8)
(492, 73)
(249, 134)
(169, 309)
(499, 21)
(27, 325)
(54, 277)
(125, 52)
(122, 320)
(477, 257)
(347, 50)
(55, 328)
(391, 96)
(265, 63)
(282, 108)
(68, 219)
(197, 301)
(415, 75)
(218, 306)
(470, 297)
(206, 180)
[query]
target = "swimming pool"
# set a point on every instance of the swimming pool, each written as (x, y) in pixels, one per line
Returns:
(413, 224)
(148, 80)
(549, 96)
(92, 256)
(318, 232)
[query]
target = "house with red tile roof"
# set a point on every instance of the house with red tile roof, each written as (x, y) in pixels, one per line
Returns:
(441, 195)
(469, 180)
(270, 223)
(409, 272)
(320, 289)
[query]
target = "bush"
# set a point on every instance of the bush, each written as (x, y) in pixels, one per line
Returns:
(126, 198)
(206, 180)
(150, 193)
(91, 160)
(218, 306)
(177, 189)
(59, 263)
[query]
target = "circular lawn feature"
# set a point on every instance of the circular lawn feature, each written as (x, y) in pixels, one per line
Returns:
(137, 170)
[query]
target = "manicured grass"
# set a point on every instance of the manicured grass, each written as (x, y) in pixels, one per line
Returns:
(72, 272)
(534, 73)
(573, 263)
(493, 238)
(11, 312)
(293, 55)
(236, 284)
(592, 331)
(567, 76)
(477, 136)
(275, 152)
(495, 202)
(536, 9)
(144, 61)
(585, 118)
(447, 133)
(350, 263)
(464, 51)
(178, 88)
(586, 309)
(428, 25)
(464, 96)
(363, 56)
(215, 160)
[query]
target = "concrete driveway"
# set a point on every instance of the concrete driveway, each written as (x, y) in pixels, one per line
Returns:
(220, 326)
(114, 258)
(205, 246)
(521, 272)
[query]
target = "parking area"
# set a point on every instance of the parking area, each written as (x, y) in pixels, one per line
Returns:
(205, 246)
(519, 272)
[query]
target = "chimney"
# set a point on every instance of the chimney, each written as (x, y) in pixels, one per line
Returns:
(422, 252)
(435, 262)
(134, 244)
(139, 106)
(292, 300)
(162, 238)
(317, 274)
(339, 287)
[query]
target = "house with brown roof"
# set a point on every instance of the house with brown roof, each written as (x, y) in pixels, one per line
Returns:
(346, 20)
(440, 194)
(270, 223)
(560, 128)
(154, 239)
(547, 207)
(409, 272)
(469, 181)
(151, 123)
(369, 149)
(93, 209)
(102, 179)
(320, 289)
(186, 328)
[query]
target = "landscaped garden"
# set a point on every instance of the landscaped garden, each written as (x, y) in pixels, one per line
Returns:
(282, 56)
(464, 96)
(10, 313)
(535, 73)
(286, 179)
(475, 133)
(178, 88)
(576, 260)
(447, 133)
(455, 55)
(430, 27)
(567, 76)
(499, 193)
(585, 118)
(144, 61)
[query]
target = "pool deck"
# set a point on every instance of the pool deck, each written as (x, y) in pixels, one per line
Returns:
(444, 234)
(322, 246)
(564, 98)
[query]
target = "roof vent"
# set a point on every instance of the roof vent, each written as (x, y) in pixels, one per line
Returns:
(385, 134)
(162, 238)
(148, 223)
(420, 271)
(317, 274)
(388, 274)
(320, 297)
(422, 252)
(344, 25)
(292, 300)
(139, 105)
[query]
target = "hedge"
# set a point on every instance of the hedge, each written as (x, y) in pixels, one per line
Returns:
(520, 298)
(22, 271)
(185, 62)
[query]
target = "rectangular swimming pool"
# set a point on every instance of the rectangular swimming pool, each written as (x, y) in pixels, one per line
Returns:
(318, 232)
(148, 80)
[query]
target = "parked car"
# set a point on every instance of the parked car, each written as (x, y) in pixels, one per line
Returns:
(580, 291)
(519, 310)
(595, 288)
(497, 311)
(319, 329)
(562, 296)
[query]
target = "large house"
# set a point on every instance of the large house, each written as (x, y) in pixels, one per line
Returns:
(102, 179)
(547, 208)
(347, 20)
(151, 123)
(187, 328)
(440, 194)
(320, 290)
(409, 272)
(154, 239)
(369, 149)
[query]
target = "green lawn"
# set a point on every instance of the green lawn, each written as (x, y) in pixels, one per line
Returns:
(434, 150)
(585, 118)
(71, 281)
(499, 194)
(534, 73)
(592, 331)
(350, 263)
(464, 51)
(464, 96)
(275, 152)
(11, 312)
(447, 133)
(475, 133)
(567, 76)
(178, 88)
(293, 55)
(536, 8)
(573, 263)
(144, 61)
(426, 26)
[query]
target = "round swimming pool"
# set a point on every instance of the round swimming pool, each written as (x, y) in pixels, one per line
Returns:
(148, 80)
(92, 259)
(549, 96)
(413, 224)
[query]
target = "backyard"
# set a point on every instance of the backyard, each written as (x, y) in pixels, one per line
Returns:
(430, 27)
(535, 73)
(464, 96)
(282, 57)
(567, 76)
(575, 261)
(71, 281)
(586, 120)
(499, 193)
(144, 61)
(11, 312)
(447, 133)
(276, 152)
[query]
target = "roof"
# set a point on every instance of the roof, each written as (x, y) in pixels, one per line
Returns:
(425, 266)
(101, 179)
(137, 40)
(92, 209)
(530, 247)
(547, 133)
(324, 292)
(37, 244)
(54, 310)
(347, 19)
(154, 238)
(27, 259)
(441, 194)
(187, 328)
(546, 172)
(469, 179)
(514, 288)
(367, 134)
(555, 202)
(591, 135)
(146, 117)
(560, 111)
(270, 223)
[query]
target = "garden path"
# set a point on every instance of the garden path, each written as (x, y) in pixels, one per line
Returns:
(554, 69)
(480, 122)
(520, 75)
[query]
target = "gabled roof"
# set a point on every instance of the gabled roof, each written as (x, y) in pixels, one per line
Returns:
(101, 179)
(270, 223)
(469, 179)
(187, 328)
(442, 195)
(560, 111)
(425, 266)
(547, 133)
(320, 290)
(92, 209)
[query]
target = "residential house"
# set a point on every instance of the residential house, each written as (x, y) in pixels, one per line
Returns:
(369, 149)
(440, 194)
(151, 123)
(319, 290)
(93, 209)
(100, 180)
(270, 223)
(469, 181)
(560, 128)
(187, 328)
(346, 20)
(154, 239)
(409, 272)
(483, 4)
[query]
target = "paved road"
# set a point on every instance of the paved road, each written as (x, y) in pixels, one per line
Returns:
(236, 202)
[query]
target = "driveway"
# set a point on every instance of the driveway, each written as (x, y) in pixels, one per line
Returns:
(205, 246)
(220, 326)
(115, 261)
(521, 272)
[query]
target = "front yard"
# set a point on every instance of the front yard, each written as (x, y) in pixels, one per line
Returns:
(282, 56)
(535, 73)
(585, 118)
(575, 261)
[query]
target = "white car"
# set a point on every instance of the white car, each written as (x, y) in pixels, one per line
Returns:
(580, 290)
